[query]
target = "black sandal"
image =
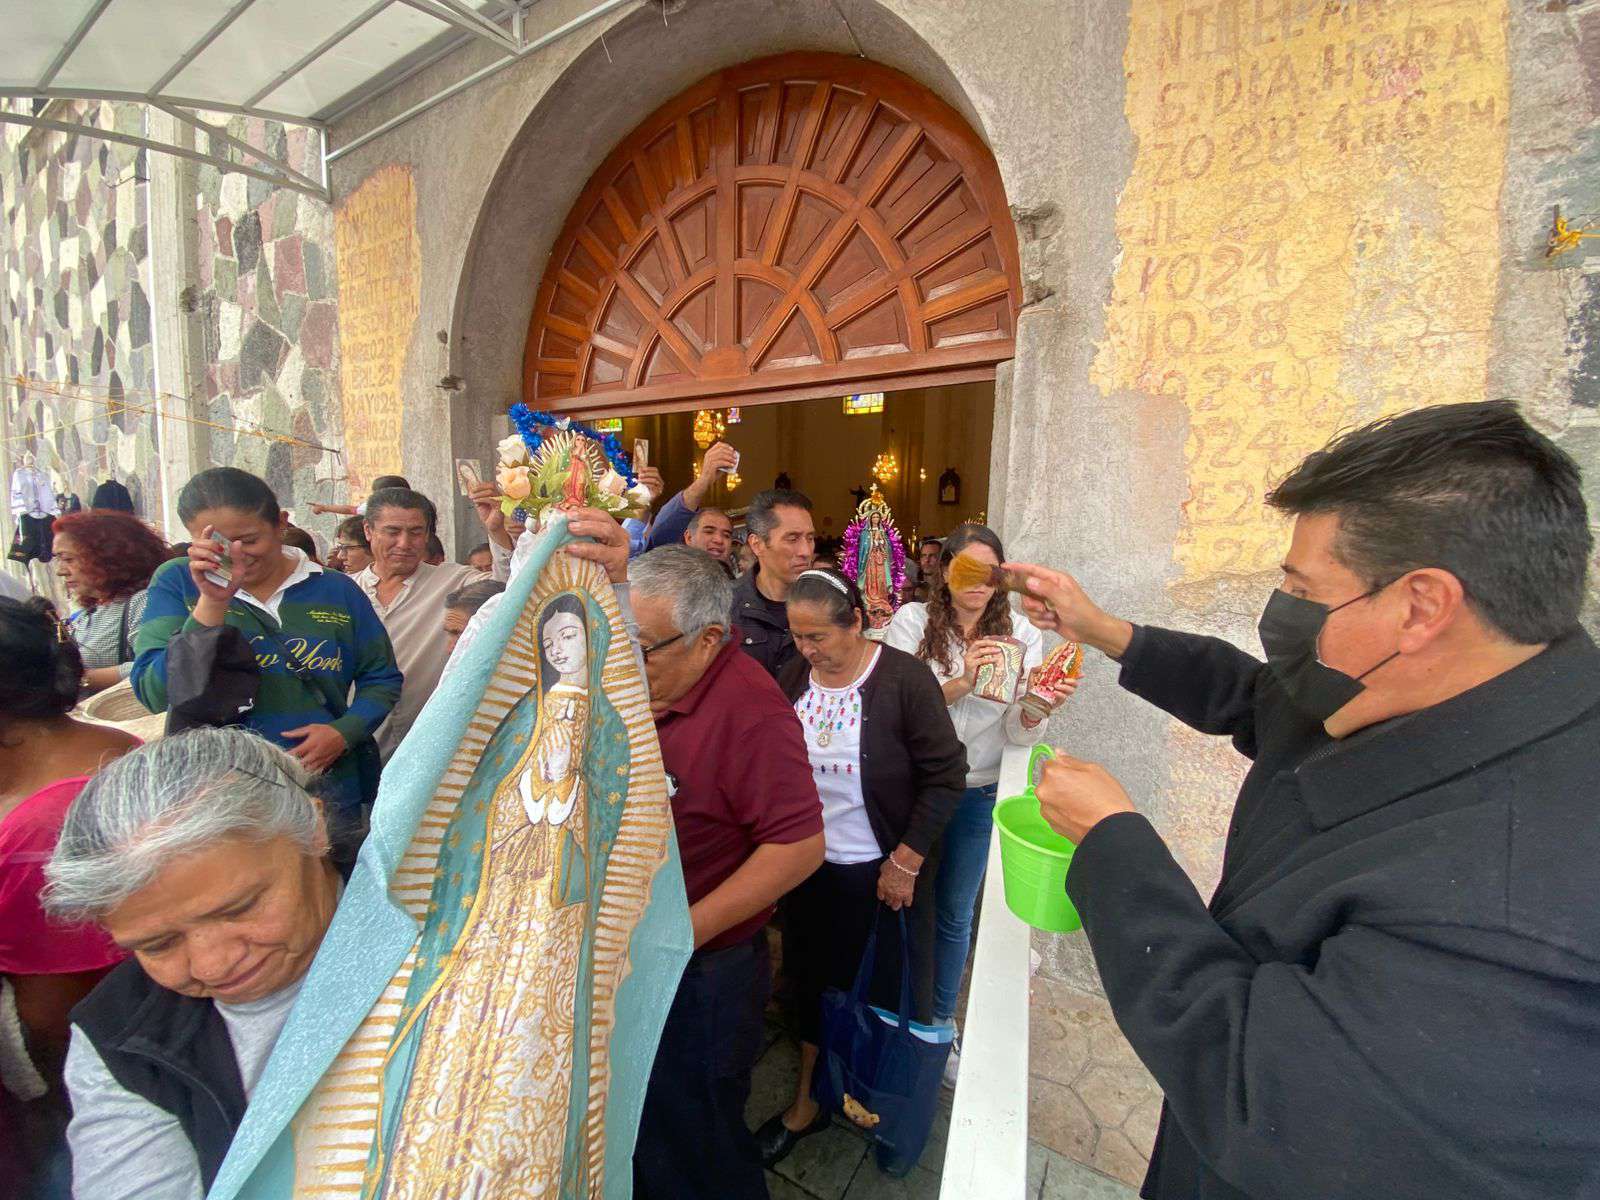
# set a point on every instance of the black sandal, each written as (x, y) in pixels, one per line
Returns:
(774, 1140)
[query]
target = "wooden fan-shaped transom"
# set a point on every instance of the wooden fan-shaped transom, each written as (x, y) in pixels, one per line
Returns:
(784, 229)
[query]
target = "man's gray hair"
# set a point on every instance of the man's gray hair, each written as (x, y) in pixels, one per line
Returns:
(473, 596)
(402, 498)
(696, 584)
(169, 799)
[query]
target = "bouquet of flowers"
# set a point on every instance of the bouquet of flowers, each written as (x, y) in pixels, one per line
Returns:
(560, 463)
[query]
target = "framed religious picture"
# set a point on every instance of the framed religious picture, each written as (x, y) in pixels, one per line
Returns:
(950, 487)
(1000, 682)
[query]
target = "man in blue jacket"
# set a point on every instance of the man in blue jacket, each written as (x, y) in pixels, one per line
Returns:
(679, 513)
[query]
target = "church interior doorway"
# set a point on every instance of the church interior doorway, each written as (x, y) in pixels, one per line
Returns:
(927, 451)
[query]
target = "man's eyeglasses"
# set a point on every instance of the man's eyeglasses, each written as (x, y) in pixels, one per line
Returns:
(646, 651)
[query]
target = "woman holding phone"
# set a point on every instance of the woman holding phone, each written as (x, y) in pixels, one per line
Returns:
(327, 673)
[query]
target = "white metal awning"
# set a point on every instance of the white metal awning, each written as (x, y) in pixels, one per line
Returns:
(306, 62)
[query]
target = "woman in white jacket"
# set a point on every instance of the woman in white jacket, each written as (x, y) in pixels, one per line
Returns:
(954, 634)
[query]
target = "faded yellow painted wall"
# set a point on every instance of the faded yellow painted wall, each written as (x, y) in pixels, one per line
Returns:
(380, 290)
(1310, 234)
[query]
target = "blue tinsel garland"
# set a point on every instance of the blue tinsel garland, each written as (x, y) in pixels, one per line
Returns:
(528, 424)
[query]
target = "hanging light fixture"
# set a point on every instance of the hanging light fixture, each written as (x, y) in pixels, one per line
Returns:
(885, 467)
(709, 426)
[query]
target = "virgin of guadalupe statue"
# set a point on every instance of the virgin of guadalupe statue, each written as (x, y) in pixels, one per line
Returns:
(550, 788)
(875, 558)
(482, 1015)
(491, 998)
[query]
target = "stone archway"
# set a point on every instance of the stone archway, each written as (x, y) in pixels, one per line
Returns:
(787, 228)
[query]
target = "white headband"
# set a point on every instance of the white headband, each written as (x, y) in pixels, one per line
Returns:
(820, 574)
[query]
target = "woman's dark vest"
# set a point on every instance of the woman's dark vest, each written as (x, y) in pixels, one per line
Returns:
(173, 1051)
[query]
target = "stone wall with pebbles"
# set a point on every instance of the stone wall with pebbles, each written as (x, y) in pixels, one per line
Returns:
(251, 265)
(75, 312)
(264, 294)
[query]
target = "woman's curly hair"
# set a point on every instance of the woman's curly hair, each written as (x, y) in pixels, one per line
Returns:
(942, 641)
(118, 552)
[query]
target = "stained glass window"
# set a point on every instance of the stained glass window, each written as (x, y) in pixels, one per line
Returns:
(863, 404)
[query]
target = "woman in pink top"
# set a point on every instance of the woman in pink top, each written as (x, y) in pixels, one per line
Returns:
(45, 968)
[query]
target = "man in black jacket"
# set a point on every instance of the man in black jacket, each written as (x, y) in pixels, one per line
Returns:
(1395, 991)
(784, 540)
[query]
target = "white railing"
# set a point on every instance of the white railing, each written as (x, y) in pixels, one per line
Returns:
(987, 1154)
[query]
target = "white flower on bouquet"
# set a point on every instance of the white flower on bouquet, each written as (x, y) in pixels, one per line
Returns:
(513, 451)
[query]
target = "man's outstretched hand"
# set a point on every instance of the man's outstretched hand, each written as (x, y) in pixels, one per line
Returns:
(609, 547)
(1075, 796)
(486, 499)
(1055, 601)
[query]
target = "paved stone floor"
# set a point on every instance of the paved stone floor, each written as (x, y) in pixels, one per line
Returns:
(838, 1164)
(1090, 1099)
(1052, 1177)
(1092, 1112)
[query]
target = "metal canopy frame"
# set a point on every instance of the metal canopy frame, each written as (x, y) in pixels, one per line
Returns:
(460, 22)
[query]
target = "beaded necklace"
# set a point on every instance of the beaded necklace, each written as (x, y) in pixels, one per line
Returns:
(827, 715)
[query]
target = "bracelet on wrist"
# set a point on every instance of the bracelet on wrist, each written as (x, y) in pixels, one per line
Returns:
(907, 870)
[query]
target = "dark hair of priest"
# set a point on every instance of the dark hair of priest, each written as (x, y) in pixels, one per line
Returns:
(1472, 489)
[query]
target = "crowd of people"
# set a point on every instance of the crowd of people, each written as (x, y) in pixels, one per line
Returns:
(1408, 869)
(274, 664)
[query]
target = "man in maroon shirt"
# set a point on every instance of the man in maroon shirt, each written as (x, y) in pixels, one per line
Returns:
(749, 829)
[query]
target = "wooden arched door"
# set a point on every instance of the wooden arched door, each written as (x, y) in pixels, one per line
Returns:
(801, 226)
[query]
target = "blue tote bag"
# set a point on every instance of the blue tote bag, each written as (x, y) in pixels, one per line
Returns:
(881, 1069)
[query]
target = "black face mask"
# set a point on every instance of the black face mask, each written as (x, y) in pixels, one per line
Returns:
(1290, 628)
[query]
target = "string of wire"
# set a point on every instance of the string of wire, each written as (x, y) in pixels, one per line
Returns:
(115, 404)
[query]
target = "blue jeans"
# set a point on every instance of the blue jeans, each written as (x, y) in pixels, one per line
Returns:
(966, 855)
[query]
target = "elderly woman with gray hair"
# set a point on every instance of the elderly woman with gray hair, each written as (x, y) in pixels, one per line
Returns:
(205, 857)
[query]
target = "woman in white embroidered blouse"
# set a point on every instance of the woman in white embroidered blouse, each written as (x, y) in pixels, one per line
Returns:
(954, 634)
(889, 770)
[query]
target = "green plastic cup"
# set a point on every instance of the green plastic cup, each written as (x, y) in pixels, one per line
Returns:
(1034, 859)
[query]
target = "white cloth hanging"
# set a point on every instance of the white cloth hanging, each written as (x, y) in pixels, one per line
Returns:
(32, 494)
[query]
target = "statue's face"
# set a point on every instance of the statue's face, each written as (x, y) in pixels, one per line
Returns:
(565, 646)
